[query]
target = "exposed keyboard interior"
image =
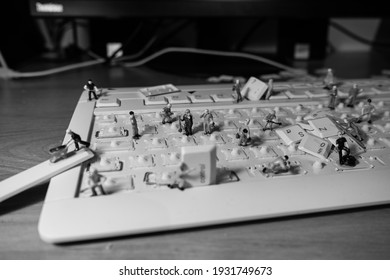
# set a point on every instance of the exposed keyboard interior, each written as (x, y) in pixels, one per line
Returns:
(246, 172)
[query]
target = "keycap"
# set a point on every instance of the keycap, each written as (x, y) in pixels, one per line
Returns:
(315, 146)
(291, 134)
(202, 161)
(254, 89)
(41, 173)
(323, 127)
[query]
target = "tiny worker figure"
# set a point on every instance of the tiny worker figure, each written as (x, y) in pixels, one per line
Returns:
(92, 89)
(95, 181)
(352, 95)
(342, 145)
(352, 128)
(237, 89)
(333, 97)
(134, 125)
(270, 89)
(244, 135)
(188, 122)
(279, 165)
(166, 114)
(270, 120)
(367, 111)
(329, 79)
(208, 121)
(76, 139)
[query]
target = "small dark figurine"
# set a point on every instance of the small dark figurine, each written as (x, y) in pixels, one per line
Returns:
(188, 122)
(76, 140)
(92, 89)
(134, 125)
(344, 151)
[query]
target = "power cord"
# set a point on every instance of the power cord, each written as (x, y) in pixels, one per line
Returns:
(261, 59)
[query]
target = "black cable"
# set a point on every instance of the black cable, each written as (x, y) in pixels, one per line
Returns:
(129, 40)
(376, 44)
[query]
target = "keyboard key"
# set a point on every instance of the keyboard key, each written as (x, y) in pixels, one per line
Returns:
(108, 102)
(159, 90)
(200, 98)
(254, 89)
(201, 161)
(178, 99)
(323, 127)
(315, 146)
(291, 134)
(155, 100)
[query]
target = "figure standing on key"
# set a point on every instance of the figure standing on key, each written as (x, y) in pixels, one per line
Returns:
(237, 89)
(188, 122)
(333, 97)
(367, 111)
(166, 114)
(270, 89)
(208, 121)
(92, 89)
(352, 95)
(95, 181)
(270, 121)
(329, 79)
(342, 146)
(134, 125)
(76, 139)
(352, 128)
(244, 136)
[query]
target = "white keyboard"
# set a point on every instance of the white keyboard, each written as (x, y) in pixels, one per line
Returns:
(166, 180)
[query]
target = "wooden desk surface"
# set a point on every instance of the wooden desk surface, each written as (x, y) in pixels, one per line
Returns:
(34, 114)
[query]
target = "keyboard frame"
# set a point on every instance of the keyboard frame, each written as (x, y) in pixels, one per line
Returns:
(66, 218)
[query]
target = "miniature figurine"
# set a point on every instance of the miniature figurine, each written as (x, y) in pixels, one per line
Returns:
(167, 114)
(329, 79)
(92, 89)
(270, 89)
(188, 122)
(244, 135)
(353, 93)
(173, 179)
(237, 89)
(352, 128)
(279, 165)
(367, 111)
(76, 140)
(332, 97)
(95, 181)
(270, 118)
(134, 125)
(344, 151)
(208, 122)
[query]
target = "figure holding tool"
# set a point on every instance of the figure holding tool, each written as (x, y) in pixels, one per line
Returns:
(270, 118)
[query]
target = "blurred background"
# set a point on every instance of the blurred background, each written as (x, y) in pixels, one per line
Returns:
(120, 31)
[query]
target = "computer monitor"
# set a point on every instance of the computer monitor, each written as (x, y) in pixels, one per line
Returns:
(207, 8)
(299, 21)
